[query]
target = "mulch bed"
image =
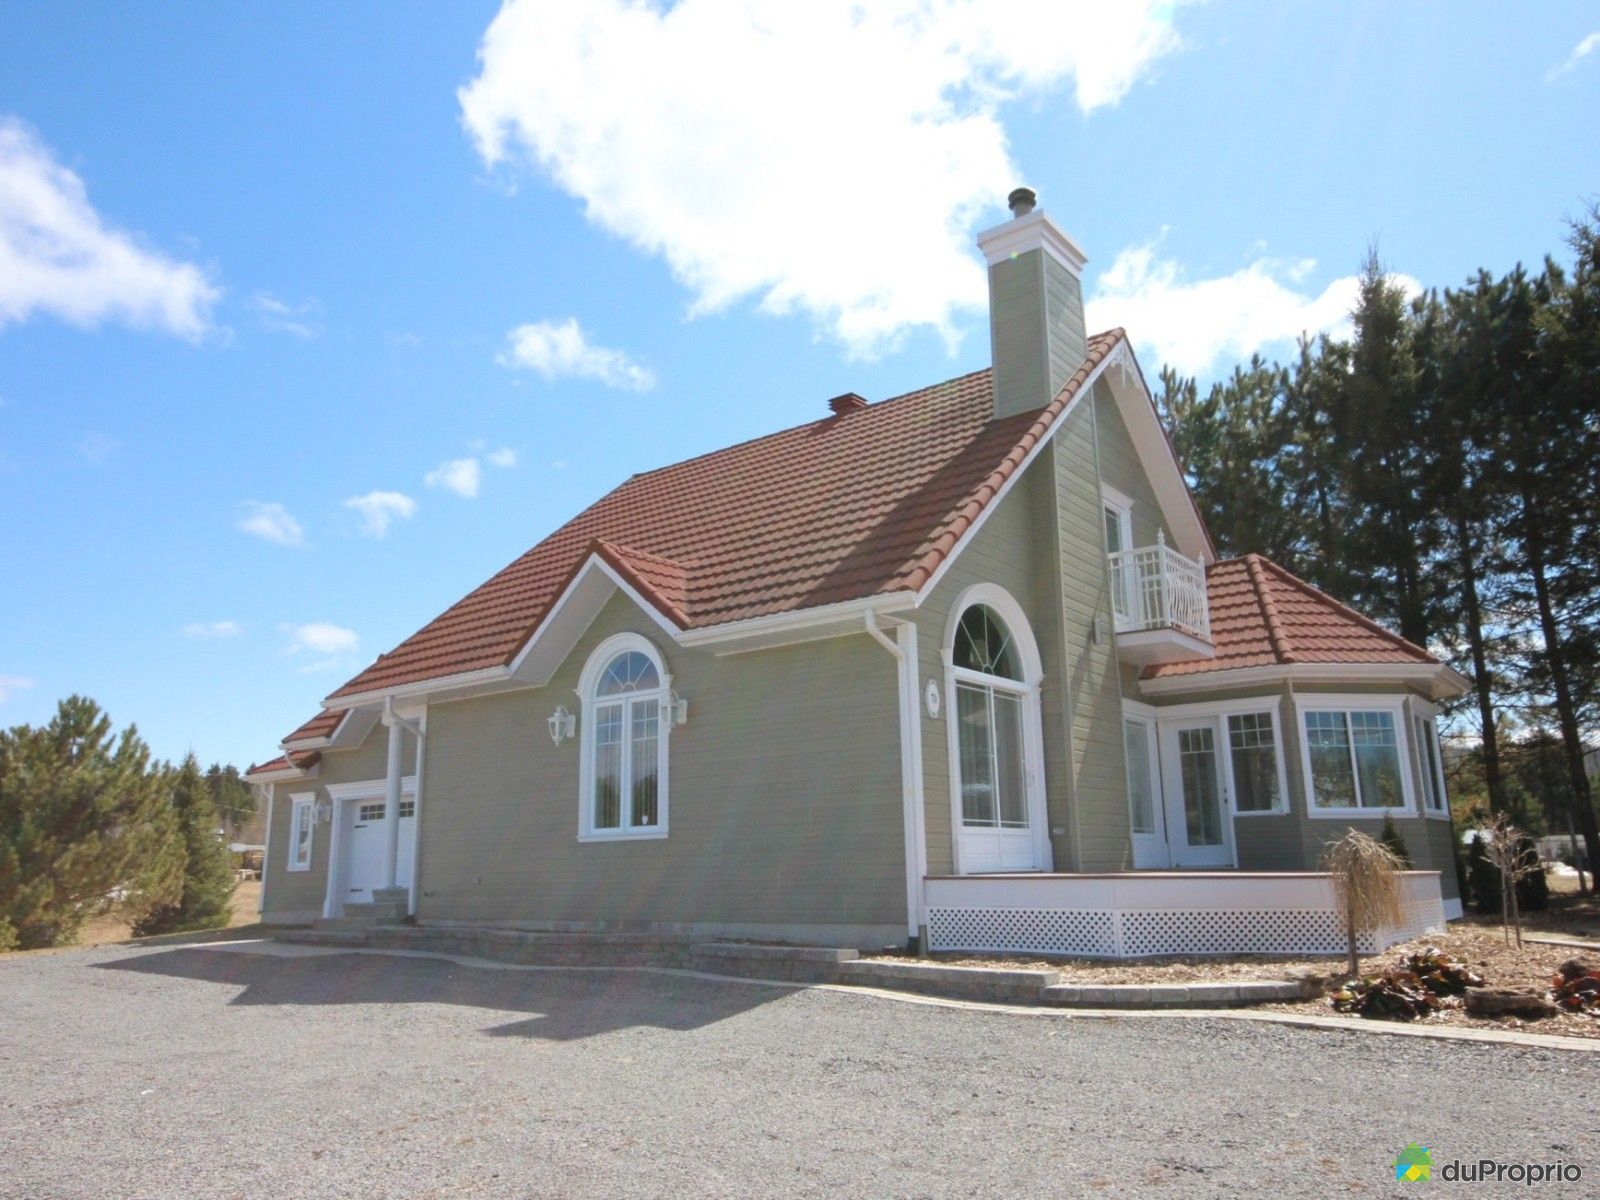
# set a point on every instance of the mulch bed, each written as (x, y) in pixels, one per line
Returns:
(1476, 940)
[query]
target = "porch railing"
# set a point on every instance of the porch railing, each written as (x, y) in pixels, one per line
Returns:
(1155, 587)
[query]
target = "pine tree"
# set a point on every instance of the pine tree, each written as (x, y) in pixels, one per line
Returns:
(205, 901)
(1390, 837)
(86, 824)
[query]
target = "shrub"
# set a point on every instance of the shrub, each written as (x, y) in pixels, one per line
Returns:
(1390, 837)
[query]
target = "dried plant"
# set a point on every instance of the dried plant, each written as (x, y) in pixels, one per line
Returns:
(1366, 879)
(1513, 854)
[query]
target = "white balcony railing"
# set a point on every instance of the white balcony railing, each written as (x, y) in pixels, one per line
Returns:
(1155, 587)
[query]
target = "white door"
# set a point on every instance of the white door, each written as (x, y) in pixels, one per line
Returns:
(363, 866)
(997, 832)
(1199, 823)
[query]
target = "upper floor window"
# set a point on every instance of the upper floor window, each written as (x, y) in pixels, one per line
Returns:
(623, 780)
(1117, 511)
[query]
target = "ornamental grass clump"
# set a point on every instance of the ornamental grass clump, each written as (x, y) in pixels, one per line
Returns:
(1366, 880)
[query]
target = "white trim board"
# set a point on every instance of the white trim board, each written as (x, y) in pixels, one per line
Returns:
(1436, 677)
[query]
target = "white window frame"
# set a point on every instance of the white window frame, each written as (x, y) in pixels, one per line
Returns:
(1347, 704)
(1152, 754)
(588, 684)
(1426, 715)
(1274, 711)
(302, 816)
(1113, 501)
(1221, 710)
(1027, 690)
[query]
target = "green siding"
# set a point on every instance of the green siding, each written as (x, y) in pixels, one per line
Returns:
(297, 896)
(1014, 549)
(1016, 330)
(784, 810)
(1092, 690)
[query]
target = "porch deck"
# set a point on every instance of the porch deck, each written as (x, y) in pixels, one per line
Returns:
(1138, 914)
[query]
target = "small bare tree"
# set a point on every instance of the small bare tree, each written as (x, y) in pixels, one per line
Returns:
(1514, 856)
(1366, 879)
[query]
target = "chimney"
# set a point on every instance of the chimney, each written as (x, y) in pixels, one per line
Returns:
(1036, 331)
(847, 403)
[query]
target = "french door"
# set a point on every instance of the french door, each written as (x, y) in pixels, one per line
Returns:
(1199, 822)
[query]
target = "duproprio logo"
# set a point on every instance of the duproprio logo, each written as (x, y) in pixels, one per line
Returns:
(1415, 1162)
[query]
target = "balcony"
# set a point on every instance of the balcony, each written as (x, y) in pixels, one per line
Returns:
(1159, 598)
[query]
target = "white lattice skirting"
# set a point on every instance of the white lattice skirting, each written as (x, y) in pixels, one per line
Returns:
(1137, 915)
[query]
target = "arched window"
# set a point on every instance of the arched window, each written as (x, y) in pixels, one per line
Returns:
(623, 781)
(995, 734)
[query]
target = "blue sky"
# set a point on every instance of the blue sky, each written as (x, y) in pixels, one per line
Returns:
(255, 266)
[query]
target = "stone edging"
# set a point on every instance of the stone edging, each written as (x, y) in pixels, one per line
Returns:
(809, 964)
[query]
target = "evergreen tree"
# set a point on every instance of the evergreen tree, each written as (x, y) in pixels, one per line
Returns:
(235, 800)
(205, 900)
(1390, 837)
(85, 824)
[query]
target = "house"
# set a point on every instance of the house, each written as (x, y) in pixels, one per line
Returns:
(959, 666)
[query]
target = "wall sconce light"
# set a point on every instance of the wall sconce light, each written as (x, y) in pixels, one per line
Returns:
(563, 724)
(675, 710)
(322, 812)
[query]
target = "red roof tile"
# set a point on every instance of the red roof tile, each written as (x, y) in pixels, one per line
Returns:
(1263, 616)
(843, 508)
(320, 726)
(300, 760)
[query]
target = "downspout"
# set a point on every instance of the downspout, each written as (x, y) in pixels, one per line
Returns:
(903, 646)
(266, 849)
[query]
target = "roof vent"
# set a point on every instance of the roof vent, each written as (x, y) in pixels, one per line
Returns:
(1021, 201)
(847, 403)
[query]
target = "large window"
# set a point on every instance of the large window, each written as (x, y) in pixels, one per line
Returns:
(1253, 752)
(1428, 764)
(624, 779)
(989, 698)
(1353, 759)
(996, 747)
(1137, 744)
(302, 830)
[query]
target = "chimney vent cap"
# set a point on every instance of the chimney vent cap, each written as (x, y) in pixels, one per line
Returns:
(1021, 201)
(847, 403)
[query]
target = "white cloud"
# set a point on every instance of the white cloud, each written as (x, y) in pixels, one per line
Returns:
(319, 637)
(1194, 324)
(58, 256)
(1582, 50)
(827, 159)
(210, 630)
(505, 458)
(461, 475)
(560, 348)
(279, 316)
(95, 448)
(273, 522)
(378, 509)
(10, 685)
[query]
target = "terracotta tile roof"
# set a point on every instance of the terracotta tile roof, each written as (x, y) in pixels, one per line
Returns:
(300, 760)
(1263, 616)
(320, 726)
(862, 503)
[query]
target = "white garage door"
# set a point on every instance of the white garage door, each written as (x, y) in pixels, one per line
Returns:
(364, 848)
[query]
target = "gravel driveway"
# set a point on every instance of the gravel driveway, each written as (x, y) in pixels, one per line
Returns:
(275, 1071)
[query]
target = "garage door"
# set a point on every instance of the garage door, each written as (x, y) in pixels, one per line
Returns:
(364, 854)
